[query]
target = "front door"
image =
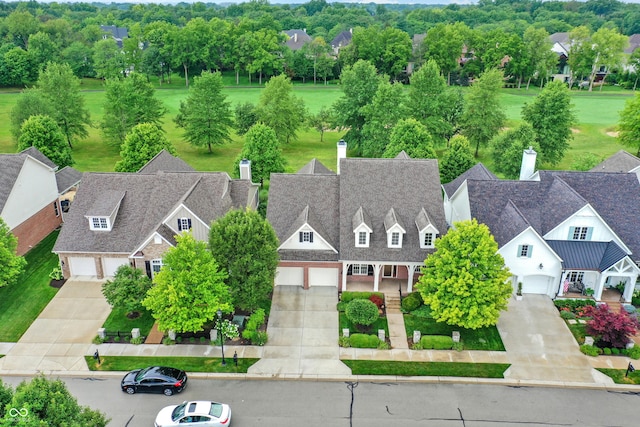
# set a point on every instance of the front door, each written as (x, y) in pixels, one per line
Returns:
(389, 271)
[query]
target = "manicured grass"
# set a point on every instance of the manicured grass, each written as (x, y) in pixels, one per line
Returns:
(118, 321)
(617, 375)
(381, 323)
(189, 364)
(579, 331)
(428, 369)
(21, 303)
(472, 339)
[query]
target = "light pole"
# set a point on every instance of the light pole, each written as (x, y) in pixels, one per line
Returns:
(219, 313)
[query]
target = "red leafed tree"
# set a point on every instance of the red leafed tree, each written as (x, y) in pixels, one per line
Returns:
(610, 329)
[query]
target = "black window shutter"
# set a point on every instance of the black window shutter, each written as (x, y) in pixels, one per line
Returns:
(370, 270)
(300, 236)
(179, 225)
(311, 237)
(189, 223)
(349, 270)
(147, 265)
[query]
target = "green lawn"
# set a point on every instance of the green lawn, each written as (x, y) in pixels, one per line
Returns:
(472, 339)
(21, 303)
(189, 364)
(430, 369)
(118, 321)
(617, 375)
(579, 331)
(381, 323)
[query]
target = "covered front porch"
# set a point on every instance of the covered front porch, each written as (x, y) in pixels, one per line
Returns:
(380, 276)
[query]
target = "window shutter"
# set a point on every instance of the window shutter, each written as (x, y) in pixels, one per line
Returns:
(529, 251)
(147, 265)
(300, 236)
(519, 251)
(189, 223)
(311, 237)
(589, 232)
(571, 231)
(349, 270)
(370, 270)
(179, 225)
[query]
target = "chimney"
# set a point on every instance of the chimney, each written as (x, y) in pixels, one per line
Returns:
(245, 169)
(528, 166)
(342, 152)
(295, 37)
(351, 30)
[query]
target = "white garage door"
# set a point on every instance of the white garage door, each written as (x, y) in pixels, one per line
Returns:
(82, 266)
(292, 276)
(323, 277)
(535, 285)
(110, 265)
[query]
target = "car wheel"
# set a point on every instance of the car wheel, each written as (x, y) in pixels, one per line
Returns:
(168, 392)
(130, 390)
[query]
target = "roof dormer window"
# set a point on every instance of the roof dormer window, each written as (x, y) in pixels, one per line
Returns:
(99, 223)
(396, 242)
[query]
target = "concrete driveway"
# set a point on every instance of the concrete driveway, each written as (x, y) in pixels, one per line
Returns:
(62, 334)
(303, 334)
(540, 346)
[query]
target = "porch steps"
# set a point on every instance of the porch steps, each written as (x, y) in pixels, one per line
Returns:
(392, 302)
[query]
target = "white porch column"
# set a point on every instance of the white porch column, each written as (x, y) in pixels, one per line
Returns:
(411, 268)
(628, 289)
(345, 269)
(376, 276)
(597, 294)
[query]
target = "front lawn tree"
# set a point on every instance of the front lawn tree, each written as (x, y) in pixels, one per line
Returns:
(13, 265)
(261, 146)
(43, 133)
(246, 246)
(189, 289)
(465, 280)
(206, 115)
(140, 145)
(362, 312)
(127, 289)
(629, 124)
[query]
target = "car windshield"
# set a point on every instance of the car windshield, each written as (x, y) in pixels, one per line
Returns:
(216, 409)
(142, 373)
(178, 412)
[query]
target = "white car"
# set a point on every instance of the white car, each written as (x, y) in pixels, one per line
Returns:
(198, 413)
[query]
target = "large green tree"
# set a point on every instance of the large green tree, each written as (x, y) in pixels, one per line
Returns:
(608, 46)
(456, 160)
(444, 43)
(537, 49)
(13, 265)
(280, 109)
(29, 103)
(412, 137)
(206, 115)
(381, 115)
(261, 146)
(129, 102)
(60, 87)
(551, 115)
(388, 49)
(507, 147)
(43, 133)
(426, 102)
(483, 115)
(140, 145)
(465, 280)
(189, 289)
(127, 289)
(246, 246)
(629, 124)
(108, 61)
(48, 402)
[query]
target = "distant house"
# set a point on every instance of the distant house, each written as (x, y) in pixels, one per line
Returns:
(341, 40)
(634, 43)
(557, 231)
(297, 39)
(375, 220)
(620, 162)
(133, 218)
(30, 188)
(117, 33)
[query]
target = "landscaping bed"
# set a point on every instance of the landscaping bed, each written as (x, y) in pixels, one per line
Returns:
(363, 335)
(189, 364)
(432, 369)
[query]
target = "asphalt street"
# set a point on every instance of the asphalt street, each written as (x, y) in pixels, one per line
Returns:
(375, 404)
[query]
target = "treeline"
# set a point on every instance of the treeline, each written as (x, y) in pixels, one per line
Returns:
(248, 38)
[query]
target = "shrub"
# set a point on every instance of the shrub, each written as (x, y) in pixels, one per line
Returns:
(436, 342)
(344, 341)
(633, 352)
(573, 305)
(590, 350)
(98, 340)
(610, 329)
(416, 346)
(56, 274)
(383, 345)
(255, 321)
(192, 340)
(567, 314)
(606, 351)
(179, 339)
(377, 300)
(363, 340)
(615, 351)
(136, 341)
(168, 341)
(411, 302)
(424, 312)
(260, 338)
(362, 312)
(342, 306)
(116, 338)
(348, 296)
(458, 346)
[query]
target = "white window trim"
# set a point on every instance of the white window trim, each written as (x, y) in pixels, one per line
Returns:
(99, 223)
(390, 239)
(366, 239)
(524, 251)
(362, 269)
(155, 263)
(306, 236)
(424, 240)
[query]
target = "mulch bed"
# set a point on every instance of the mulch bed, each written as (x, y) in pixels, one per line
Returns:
(57, 283)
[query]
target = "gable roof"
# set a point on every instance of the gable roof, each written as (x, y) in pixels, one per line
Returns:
(621, 161)
(148, 200)
(315, 167)
(118, 33)
(10, 167)
(67, 178)
(297, 39)
(477, 172)
(561, 37)
(634, 43)
(36, 154)
(341, 40)
(165, 161)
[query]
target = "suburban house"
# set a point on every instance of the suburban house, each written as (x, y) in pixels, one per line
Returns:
(30, 188)
(634, 43)
(341, 40)
(559, 232)
(373, 220)
(297, 38)
(621, 161)
(117, 33)
(133, 218)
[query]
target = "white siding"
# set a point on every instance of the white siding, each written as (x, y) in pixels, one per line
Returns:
(459, 206)
(323, 277)
(34, 189)
(199, 230)
(82, 266)
(586, 217)
(318, 244)
(289, 276)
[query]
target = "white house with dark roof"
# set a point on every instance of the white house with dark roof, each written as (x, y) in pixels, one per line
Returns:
(376, 219)
(133, 218)
(558, 231)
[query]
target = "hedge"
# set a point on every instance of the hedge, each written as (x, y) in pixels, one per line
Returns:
(364, 341)
(348, 296)
(436, 342)
(411, 302)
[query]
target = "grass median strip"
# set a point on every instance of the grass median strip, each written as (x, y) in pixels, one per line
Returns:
(427, 369)
(189, 364)
(617, 375)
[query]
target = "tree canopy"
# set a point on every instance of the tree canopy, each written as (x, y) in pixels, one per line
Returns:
(13, 265)
(507, 148)
(412, 137)
(629, 124)
(261, 146)
(456, 160)
(465, 280)
(143, 142)
(43, 133)
(127, 289)
(279, 109)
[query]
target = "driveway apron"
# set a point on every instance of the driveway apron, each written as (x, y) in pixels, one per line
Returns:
(62, 334)
(303, 334)
(540, 346)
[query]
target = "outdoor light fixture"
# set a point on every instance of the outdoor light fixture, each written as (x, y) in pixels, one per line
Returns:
(541, 266)
(219, 313)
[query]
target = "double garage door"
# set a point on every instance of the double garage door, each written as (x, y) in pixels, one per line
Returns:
(294, 276)
(86, 266)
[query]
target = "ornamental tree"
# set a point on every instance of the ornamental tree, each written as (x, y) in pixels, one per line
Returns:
(362, 312)
(465, 280)
(12, 264)
(189, 289)
(127, 289)
(610, 329)
(142, 144)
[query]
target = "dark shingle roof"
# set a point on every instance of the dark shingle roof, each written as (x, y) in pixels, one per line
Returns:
(10, 167)
(66, 178)
(341, 40)
(562, 37)
(36, 154)
(619, 162)
(581, 255)
(315, 167)
(477, 172)
(164, 161)
(297, 39)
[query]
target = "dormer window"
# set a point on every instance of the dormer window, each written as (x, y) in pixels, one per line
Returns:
(428, 240)
(395, 239)
(580, 233)
(362, 236)
(99, 223)
(426, 230)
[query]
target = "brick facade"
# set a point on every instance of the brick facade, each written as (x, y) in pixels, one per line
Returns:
(39, 226)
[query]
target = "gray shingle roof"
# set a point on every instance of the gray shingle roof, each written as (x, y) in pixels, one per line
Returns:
(10, 167)
(106, 204)
(36, 154)
(619, 162)
(297, 39)
(581, 255)
(342, 39)
(66, 178)
(147, 202)
(360, 217)
(315, 167)
(477, 172)
(164, 161)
